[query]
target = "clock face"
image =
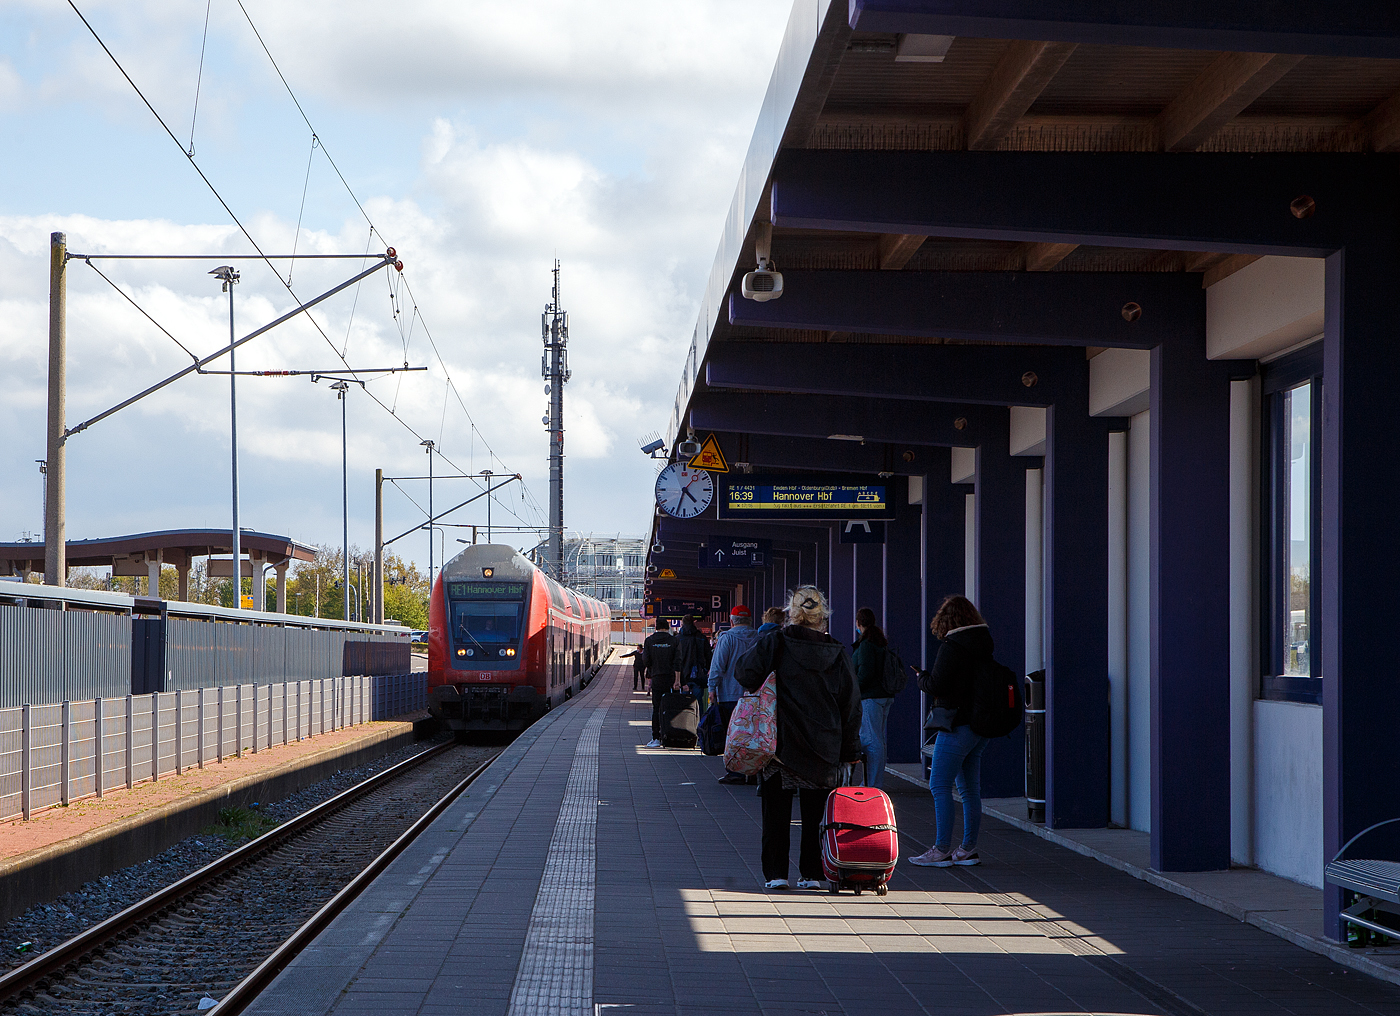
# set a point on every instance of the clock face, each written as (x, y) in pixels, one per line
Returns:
(684, 493)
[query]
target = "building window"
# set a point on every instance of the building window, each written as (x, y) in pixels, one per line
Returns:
(1292, 475)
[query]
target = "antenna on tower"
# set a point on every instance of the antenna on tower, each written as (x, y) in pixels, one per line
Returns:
(554, 368)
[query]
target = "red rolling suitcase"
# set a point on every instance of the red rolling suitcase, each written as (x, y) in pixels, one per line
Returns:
(860, 842)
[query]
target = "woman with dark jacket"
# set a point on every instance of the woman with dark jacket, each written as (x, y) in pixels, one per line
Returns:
(965, 646)
(868, 659)
(818, 730)
(694, 656)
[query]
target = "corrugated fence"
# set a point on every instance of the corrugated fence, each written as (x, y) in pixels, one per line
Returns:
(49, 656)
(56, 753)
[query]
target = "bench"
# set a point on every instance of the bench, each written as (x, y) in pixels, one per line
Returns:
(1376, 884)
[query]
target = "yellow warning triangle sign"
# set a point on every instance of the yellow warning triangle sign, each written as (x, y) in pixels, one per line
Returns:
(667, 573)
(710, 457)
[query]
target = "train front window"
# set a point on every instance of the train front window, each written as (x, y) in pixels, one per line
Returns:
(485, 622)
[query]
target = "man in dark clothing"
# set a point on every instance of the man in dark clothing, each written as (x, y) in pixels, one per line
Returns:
(639, 668)
(661, 655)
(694, 663)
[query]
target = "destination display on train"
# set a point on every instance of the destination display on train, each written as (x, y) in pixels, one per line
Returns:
(486, 590)
(804, 496)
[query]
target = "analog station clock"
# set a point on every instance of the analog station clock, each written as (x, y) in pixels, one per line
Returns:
(682, 492)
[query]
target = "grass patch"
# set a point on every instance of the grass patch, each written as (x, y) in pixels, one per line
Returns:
(238, 824)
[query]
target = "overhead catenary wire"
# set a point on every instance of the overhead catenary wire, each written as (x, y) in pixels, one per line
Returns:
(142, 310)
(199, 78)
(261, 255)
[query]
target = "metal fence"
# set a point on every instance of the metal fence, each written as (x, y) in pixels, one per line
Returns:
(87, 650)
(55, 754)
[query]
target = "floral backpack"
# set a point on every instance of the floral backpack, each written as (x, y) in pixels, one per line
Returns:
(752, 740)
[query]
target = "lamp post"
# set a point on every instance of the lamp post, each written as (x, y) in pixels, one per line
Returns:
(340, 388)
(430, 446)
(228, 275)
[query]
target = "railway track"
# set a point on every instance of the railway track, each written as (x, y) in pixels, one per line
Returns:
(225, 931)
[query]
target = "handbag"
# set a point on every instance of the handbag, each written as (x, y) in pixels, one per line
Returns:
(752, 740)
(940, 718)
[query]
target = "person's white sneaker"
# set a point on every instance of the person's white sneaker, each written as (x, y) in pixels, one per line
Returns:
(776, 883)
(653, 743)
(808, 883)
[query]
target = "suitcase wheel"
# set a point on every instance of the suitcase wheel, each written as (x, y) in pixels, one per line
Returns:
(881, 890)
(835, 889)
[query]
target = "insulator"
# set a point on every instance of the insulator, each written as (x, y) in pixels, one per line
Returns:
(391, 253)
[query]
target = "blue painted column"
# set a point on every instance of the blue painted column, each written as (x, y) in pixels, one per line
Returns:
(904, 621)
(1190, 607)
(944, 559)
(1360, 545)
(841, 590)
(1001, 586)
(1076, 612)
(870, 578)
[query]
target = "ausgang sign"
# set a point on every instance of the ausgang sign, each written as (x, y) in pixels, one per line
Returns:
(805, 496)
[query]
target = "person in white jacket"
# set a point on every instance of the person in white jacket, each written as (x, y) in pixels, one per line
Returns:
(725, 692)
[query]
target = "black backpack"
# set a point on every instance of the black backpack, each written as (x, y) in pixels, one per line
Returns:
(894, 677)
(998, 703)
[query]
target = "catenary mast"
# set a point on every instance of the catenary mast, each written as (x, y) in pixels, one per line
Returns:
(554, 367)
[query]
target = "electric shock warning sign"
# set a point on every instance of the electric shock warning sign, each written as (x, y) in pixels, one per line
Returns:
(805, 497)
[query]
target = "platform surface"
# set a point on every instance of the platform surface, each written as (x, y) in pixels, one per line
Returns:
(586, 874)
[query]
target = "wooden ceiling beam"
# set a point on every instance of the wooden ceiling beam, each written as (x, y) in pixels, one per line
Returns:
(1041, 257)
(1019, 78)
(1379, 130)
(895, 249)
(1222, 91)
(1229, 266)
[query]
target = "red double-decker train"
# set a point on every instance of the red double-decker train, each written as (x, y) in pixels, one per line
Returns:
(506, 643)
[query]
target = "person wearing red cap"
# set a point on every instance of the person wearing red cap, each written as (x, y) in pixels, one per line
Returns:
(724, 690)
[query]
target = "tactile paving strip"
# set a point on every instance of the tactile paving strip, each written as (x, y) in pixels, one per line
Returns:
(555, 977)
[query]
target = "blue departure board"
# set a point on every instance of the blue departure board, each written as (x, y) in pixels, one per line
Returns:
(799, 496)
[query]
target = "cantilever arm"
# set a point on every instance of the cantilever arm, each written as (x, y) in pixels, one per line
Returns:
(198, 365)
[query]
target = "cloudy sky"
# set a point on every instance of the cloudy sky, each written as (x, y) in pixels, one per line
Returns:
(482, 139)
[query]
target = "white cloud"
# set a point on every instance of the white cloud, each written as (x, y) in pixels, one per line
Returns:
(606, 135)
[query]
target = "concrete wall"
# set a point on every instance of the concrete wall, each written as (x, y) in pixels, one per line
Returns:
(1288, 790)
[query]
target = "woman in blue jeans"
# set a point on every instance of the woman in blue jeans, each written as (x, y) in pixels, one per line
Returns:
(965, 646)
(868, 660)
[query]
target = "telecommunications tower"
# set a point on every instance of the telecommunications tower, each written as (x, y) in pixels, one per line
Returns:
(554, 367)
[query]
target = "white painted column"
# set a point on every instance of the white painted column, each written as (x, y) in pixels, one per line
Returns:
(1140, 624)
(1118, 627)
(257, 559)
(1035, 570)
(282, 587)
(970, 547)
(153, 574)
(1244, 611)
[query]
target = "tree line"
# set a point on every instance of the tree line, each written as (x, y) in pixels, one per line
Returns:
(314, 588)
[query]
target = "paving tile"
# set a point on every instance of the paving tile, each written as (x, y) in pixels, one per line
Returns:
(682, 926)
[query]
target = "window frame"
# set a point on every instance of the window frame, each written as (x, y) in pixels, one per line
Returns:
(1277, 378)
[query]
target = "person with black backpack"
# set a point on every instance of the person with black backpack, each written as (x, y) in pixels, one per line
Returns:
(661, 652)
(971, 694)
(880, 675)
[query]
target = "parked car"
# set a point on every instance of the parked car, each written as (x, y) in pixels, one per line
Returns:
(419, 638)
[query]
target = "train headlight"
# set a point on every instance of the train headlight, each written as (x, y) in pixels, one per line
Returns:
(461, 652)
(510, 652)
(469, 652)
(500, 652)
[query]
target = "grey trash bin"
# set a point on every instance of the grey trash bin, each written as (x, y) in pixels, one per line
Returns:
(1035, 746)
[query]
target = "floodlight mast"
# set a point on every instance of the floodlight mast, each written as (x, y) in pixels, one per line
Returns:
(554, 367)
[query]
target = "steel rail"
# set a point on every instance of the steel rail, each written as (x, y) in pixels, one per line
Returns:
(263, 975)
(48, 964)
